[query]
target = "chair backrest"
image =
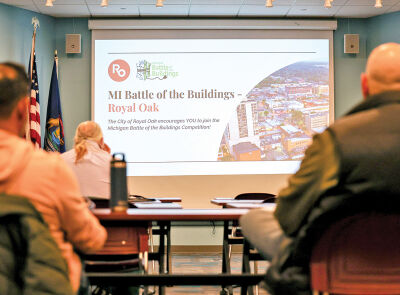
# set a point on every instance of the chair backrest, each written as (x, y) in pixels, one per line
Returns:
(358, 255)
(256, 196)
(100, 203)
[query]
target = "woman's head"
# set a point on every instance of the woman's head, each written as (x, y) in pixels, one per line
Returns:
(87, 130)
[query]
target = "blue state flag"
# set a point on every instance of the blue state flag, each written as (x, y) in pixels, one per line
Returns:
(54, 136)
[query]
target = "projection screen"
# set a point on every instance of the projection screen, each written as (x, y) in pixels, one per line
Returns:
(207, 102)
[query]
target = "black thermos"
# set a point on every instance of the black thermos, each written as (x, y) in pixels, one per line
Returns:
(119, 189)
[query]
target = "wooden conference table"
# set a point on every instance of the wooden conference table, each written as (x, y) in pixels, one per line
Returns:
(132, 215)
(224, 201)
(105, 203)
(163, 218)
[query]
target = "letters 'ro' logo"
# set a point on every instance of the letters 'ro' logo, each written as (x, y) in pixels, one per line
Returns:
(119, 70)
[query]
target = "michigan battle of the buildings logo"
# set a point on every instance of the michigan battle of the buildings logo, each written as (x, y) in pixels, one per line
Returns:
(154, 71)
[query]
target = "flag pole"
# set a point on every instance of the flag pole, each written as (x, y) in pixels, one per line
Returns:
(32, 130)
(56, 59)
(36, 24)
(54, 131)
(32, 52)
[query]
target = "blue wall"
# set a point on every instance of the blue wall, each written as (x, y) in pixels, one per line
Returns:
(348, 67)
(383, 28)
(16, 40)
(74, 75)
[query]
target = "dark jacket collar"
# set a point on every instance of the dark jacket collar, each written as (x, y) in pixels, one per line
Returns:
(375, 101)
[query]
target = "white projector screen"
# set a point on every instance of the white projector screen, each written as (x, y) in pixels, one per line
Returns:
(245, 71)
(206, 104)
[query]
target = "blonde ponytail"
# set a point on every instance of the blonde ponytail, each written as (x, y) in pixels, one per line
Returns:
(88, 130)
(80, 150)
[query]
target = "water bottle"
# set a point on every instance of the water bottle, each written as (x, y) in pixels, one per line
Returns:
(119, 189)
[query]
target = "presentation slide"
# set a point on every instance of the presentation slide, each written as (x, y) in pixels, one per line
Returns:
(211, 106)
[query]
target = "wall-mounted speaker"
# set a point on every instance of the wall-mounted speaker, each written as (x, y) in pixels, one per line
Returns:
(351, 43)
(72, 43)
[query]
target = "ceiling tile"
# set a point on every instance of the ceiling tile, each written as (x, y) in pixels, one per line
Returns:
(204, 8)
(394, 8)
(214, 10)
(312, 11)
(113, 10)
(113, 2)
(166, 10)
(360, 11)
(17, 2)
(262, 2)
(59, 2)
(386, 3)
(213, 2)
(166, 2)
(65, 10)
(261, 10)
(319, 2)
(29, 7)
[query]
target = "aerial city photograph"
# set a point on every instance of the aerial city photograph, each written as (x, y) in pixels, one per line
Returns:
(278, 117)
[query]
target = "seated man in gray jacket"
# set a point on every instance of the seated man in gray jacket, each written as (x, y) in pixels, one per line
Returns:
(357, 155)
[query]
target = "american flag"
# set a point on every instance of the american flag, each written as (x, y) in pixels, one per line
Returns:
(34, 110)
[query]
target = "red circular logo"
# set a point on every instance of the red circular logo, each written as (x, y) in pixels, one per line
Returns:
(119, 70)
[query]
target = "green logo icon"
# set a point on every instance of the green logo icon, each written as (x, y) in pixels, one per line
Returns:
(154, 71)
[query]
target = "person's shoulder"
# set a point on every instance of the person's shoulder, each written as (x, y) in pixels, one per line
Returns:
(48, 168)
(101, 155)
(57, 167)
(50, 160)
(36, 156)
(105, 155)
(9, 139)
(69, 156)
(68, 153)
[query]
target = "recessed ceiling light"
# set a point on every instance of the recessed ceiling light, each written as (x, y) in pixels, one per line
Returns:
(378, 4)
(328, 4)
(268, 3)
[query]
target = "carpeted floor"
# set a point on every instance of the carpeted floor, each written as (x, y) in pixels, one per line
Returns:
(207, 264)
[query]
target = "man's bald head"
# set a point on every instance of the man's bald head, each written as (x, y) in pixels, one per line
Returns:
(13, 87)
(383, 70)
